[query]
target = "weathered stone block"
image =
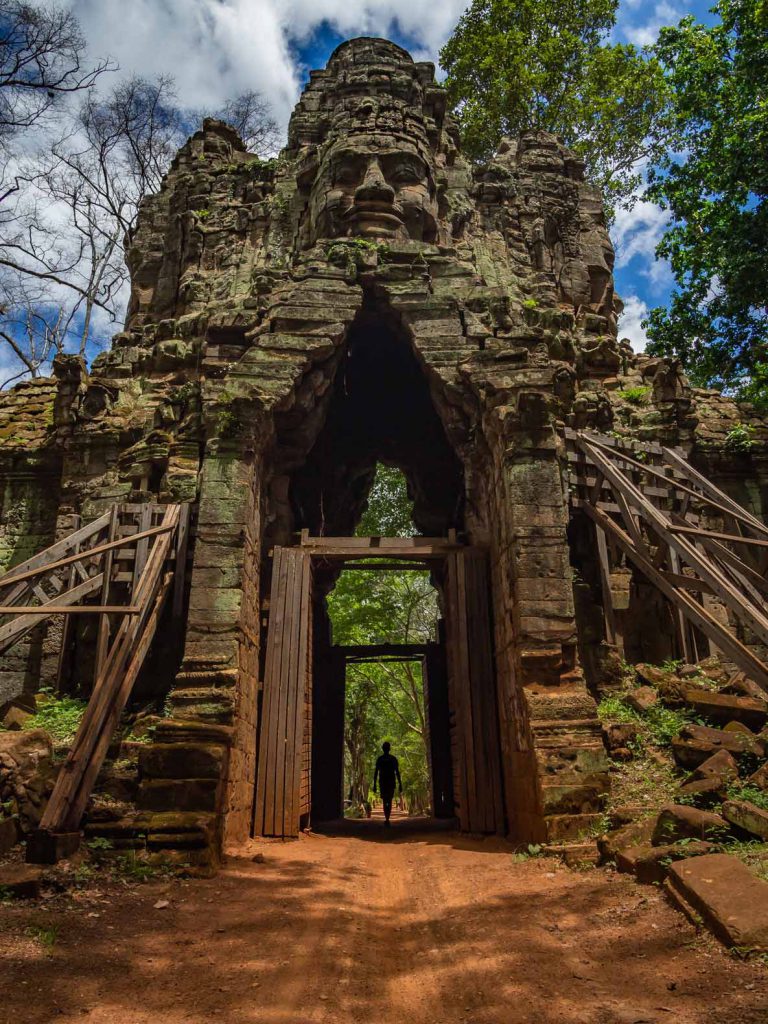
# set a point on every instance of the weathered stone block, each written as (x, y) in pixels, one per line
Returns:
(678, 821)
(182, 761)
(21, 881)
(732, 902)
(747, 816)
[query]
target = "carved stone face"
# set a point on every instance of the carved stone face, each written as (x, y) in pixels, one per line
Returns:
(386, 192)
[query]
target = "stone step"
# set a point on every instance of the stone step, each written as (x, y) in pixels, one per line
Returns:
(724, 894)
(21, 881)
(575, 855)
(184, 836)
(651, 863)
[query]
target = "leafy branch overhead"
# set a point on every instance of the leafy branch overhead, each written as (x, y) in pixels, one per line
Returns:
(514, 65)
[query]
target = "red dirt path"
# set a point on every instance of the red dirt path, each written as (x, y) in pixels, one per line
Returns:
(429, 928)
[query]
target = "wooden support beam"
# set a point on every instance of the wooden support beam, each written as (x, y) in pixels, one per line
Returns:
(90, 553)
(84, 760)
(730, 538)
(381, 650)
(695, 612)
(12, 631)
(754, 616)
(52, 608)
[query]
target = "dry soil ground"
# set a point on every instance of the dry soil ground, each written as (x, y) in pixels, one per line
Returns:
(419, 928)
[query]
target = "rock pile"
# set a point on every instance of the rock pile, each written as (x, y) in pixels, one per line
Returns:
(26, 778)
(720, 754)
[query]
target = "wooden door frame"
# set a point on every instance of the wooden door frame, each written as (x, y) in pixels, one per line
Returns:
(471, 671)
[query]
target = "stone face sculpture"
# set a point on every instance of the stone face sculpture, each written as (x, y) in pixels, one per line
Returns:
(476, 305)
(373, 187)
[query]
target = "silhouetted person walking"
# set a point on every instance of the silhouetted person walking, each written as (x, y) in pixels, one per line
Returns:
(387, 771)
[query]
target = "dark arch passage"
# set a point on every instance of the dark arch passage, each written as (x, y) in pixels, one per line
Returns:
(380, 410)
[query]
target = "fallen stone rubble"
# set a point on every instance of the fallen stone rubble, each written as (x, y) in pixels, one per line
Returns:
(696, 844)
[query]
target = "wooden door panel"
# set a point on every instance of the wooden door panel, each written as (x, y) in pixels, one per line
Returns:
(282, 756)
(477, 775)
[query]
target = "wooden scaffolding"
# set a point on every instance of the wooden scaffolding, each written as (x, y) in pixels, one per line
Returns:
(649, 503)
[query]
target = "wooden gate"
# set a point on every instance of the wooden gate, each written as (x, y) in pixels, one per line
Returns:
(472, 689)
(283, 784)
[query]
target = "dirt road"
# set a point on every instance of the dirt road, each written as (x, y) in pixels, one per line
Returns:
(425, 929)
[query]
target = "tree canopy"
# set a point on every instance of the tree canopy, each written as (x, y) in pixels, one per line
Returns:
(518, 64)
(714, 183)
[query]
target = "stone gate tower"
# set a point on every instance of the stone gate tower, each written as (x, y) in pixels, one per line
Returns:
(472, 307)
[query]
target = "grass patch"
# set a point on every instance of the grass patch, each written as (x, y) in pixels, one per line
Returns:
(657, 727)
(752, 853)
(59, 716)
(752, 794)
(46, 935)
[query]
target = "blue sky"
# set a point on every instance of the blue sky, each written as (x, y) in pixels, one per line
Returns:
(217, 48)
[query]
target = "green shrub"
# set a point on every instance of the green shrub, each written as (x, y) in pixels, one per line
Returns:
(60, 716)
(635, 396)
(739, 438)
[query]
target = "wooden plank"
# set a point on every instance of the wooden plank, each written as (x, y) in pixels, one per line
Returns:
(605, 582)
(301, 727)
(695, 612)
(142, 544)
(89, 553)
(182, 545)
(731, 538)
(291, 716)
(47, 558)
(84, 759)
(709, 494)
(102, 639)
(29, 616)
(264, 819)
(117, 705)
(683, 631)
(408, 651)
(288, 699)
(51, 608)
(706, 568)
(456, 702)
(684, 466)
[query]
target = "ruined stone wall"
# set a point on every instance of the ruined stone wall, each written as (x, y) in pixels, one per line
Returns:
(248, 278)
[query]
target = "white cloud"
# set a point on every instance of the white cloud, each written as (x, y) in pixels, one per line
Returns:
(664, 13)
(635, 311)
(215, 49)
(636, 233)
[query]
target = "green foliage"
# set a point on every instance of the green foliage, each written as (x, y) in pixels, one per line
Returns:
(751, 852)
(739, 438)
(100, 844)
(531, 851)
(517, 64)
(133, 868)
(752, 794)
(636, 395)
(658, 726)
(715, 186)
(46, 935)
(60, 716)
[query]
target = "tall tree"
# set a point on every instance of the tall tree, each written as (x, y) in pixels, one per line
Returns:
(518, 64)
(715, 186)
(68, 229)
(42, 60)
